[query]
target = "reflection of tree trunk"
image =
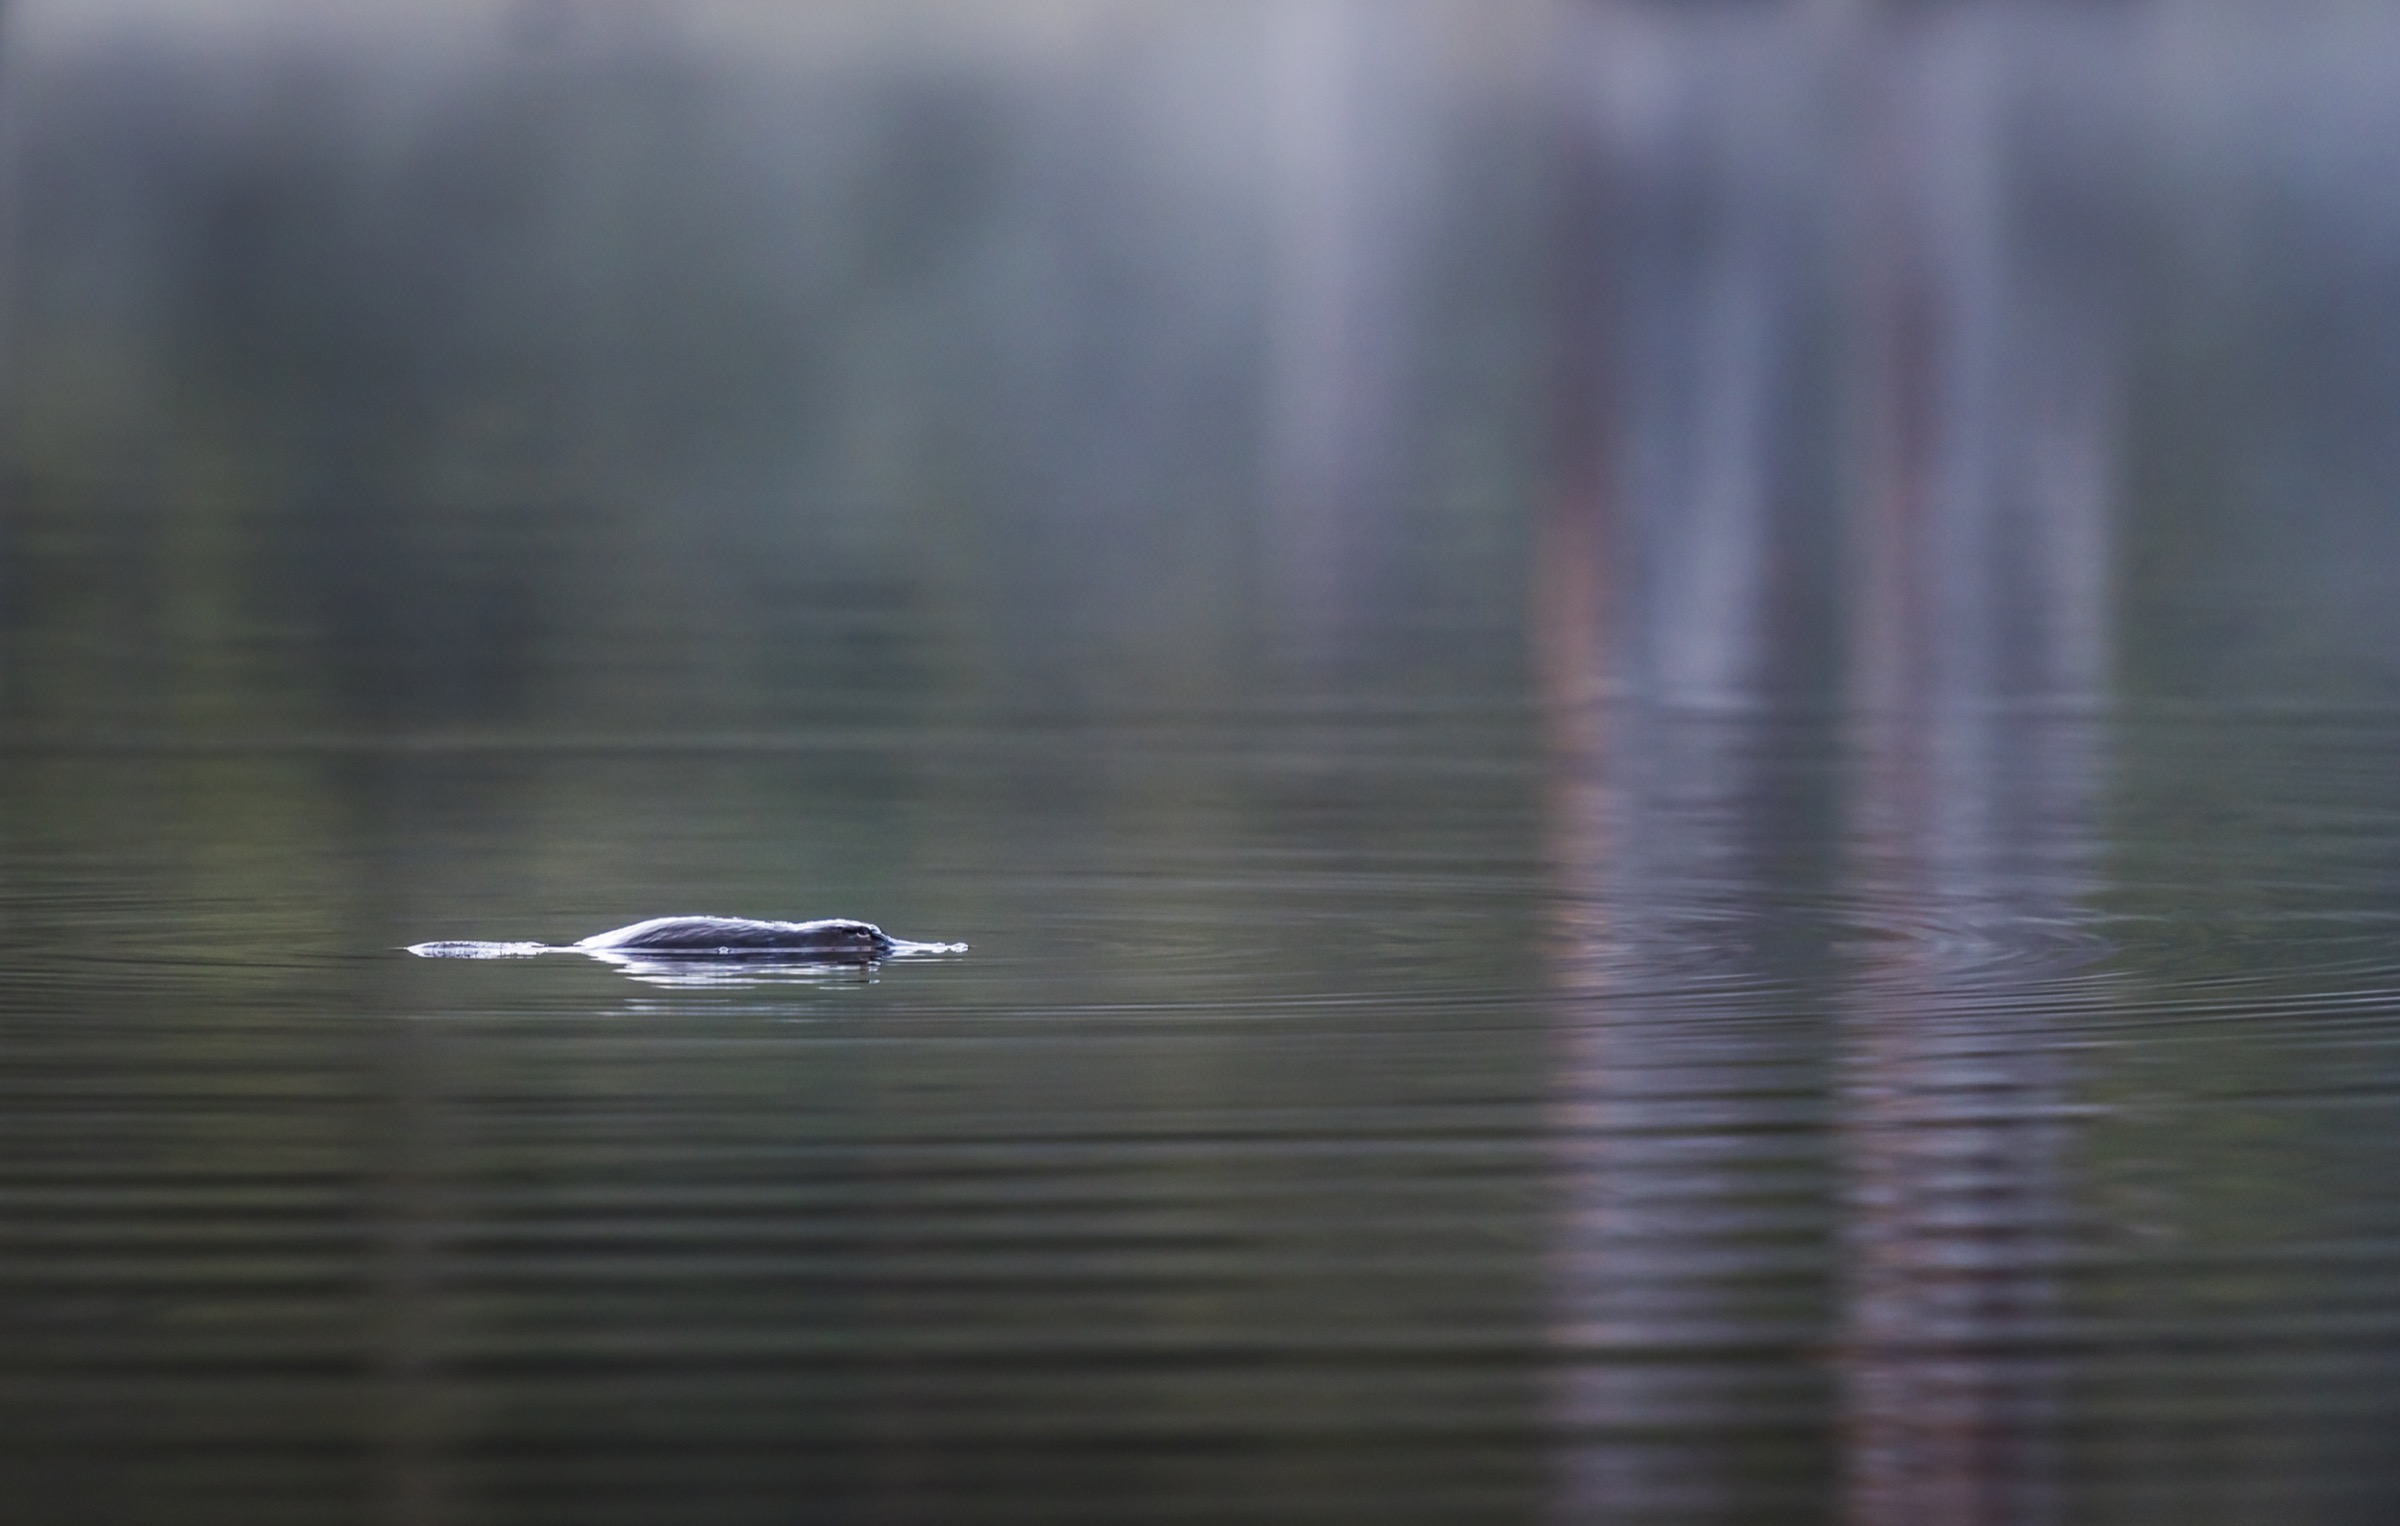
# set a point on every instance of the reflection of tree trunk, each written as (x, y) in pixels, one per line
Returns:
(1684, 1288)
(1660, 629)
(1952, 1117)
(1982, 613)
(1674, 615)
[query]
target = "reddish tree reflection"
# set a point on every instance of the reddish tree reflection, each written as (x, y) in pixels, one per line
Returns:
(1820, 815)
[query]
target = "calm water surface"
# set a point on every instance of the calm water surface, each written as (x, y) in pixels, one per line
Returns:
(1363, 1114)
(1665, 734)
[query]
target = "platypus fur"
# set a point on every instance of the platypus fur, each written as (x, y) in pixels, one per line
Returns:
(834, 938)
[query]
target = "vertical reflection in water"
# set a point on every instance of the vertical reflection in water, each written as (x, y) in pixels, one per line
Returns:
(1685, 1132)
(1951, 1113)
(1984, 386)
(1680, 600)
(1684, 1138)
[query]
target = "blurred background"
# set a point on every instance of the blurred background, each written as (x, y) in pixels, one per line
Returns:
(643, 366)
(646, 367)
(1666, 731)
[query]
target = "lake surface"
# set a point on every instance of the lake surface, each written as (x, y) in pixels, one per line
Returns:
(1664, 736)
(1322, 1126)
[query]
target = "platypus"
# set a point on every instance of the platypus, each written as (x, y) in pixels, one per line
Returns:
(835, 940)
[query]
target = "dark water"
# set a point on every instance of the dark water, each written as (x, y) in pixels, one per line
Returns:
(1213, 1179)
(1664, 734)
(1405, 1125)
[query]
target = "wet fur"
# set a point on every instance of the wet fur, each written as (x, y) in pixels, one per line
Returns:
(835, 938)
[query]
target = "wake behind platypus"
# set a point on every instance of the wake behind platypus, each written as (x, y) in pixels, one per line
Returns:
(834, 940)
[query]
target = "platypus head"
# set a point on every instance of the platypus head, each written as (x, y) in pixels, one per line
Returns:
(840, 935)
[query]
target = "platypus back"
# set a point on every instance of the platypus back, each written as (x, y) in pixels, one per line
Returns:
(835, 938)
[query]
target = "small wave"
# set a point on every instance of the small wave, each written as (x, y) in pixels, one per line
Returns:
(476, 950)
